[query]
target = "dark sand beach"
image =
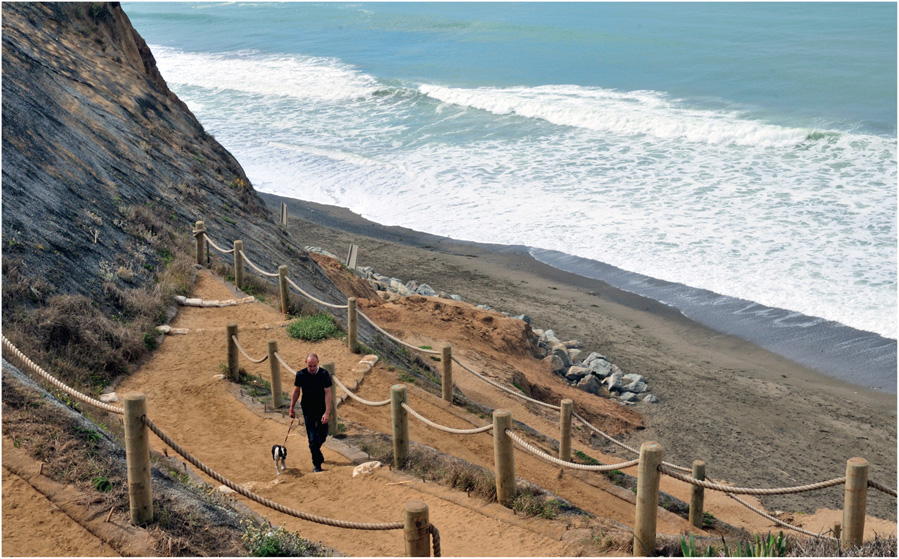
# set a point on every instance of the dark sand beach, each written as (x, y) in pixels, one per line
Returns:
(756, 418)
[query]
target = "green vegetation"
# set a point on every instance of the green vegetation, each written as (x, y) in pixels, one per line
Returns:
(312, 328)
(770, 546)
(586, 459)
(150, 340)
(529, 503)
(102, 483)
(262, 541)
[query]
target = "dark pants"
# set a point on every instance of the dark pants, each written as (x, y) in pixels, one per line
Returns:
(317, 433)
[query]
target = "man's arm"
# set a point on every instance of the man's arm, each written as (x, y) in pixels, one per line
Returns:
(293, 400)
(327, 405)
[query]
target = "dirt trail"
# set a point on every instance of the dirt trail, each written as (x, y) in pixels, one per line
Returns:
(34, 527)
(189, 401)
(192, 405)
(45, 518)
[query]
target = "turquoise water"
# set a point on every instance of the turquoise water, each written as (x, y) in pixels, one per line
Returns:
(744, 149)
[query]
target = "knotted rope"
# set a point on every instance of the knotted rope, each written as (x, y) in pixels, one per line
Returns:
(357, 398)
(310, 297)
(504, 389)
(749, 490)
(237, 343)
(216, 247)
(57, 383)
(590, 467)
(394, 338)
(444, 428)
(255, 267)
(881, 488)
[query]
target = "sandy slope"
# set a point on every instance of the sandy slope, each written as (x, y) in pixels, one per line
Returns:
(189, 401)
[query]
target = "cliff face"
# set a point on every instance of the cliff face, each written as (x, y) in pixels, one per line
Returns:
(99, 157)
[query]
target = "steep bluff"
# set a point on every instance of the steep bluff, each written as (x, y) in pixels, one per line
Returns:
(90, 129)
(105, 171)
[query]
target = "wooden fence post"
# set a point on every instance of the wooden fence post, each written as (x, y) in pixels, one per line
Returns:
(352, 326)
(855, 501)
(282, 283)
(648, 477)
(446, 358)
(200, 234)
(238, 264)
(233, 368)
(565, 430)
(400, 425)
(351, 257)
(503, 457)
(137, 451)
(417, 529)
(332, 417)
(283, 213)
(697, 495)
(275, 368)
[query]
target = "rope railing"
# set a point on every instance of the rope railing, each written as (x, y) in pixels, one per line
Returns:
(310, 297)
(777, 521)
(216, 247)
(435, 539)
(245, 354)
(394, 338)
(621, 444)
(573, 465)
(444, 428)
(57, 383)
(255, 267)
(503, 388)
(751, 490)
(284, 364)
(358, 398)
(881, 488)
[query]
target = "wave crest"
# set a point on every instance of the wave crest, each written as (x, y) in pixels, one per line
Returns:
(628, 113)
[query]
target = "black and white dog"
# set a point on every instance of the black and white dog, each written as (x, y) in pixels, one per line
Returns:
(279, 455)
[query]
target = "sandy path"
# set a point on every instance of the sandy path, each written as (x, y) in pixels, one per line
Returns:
(192, 406)
(34, 527)
(45, 518)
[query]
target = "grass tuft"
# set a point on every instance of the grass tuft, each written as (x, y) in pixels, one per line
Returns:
(312, 328)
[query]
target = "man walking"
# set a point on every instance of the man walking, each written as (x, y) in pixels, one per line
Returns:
(315, 384)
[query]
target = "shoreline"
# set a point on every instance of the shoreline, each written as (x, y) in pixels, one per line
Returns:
(723, 400)
(826, 347)
(863, 358)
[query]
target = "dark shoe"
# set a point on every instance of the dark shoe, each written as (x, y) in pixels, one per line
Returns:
(317, 469)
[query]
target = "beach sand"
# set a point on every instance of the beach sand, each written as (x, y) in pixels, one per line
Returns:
(755, 418)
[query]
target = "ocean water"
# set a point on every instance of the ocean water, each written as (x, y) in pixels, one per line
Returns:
(744, 152)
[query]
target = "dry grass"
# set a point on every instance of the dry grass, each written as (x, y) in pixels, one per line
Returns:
(477, 481)
(189, 519)
(89, 343)
(880, 546)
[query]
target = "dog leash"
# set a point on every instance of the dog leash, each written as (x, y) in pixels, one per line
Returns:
(288, 432)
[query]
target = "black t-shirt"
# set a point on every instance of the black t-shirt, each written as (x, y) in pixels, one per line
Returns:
(313, 390)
